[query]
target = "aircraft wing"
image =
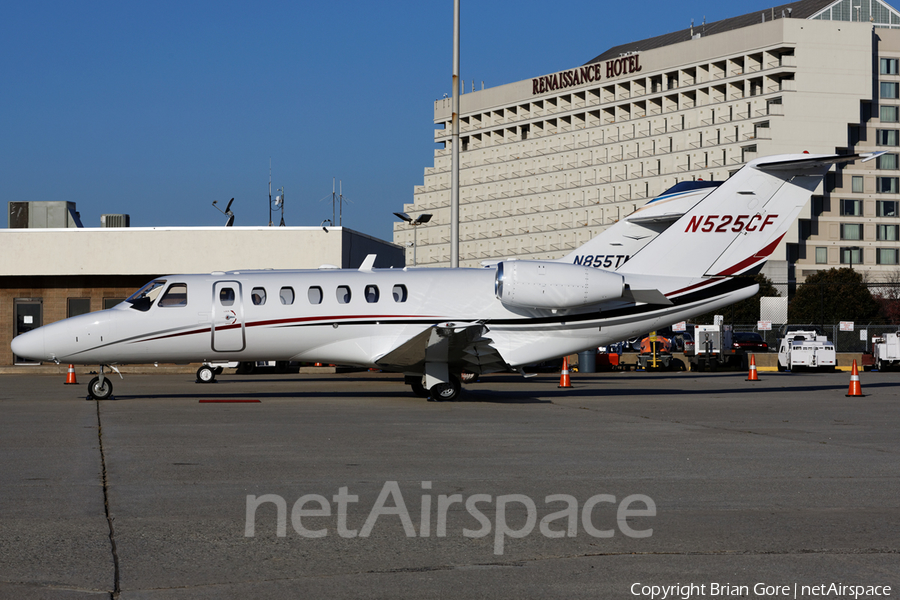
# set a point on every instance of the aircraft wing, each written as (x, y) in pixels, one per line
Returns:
(463, 346)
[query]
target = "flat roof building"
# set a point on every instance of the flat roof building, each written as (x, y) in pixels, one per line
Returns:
(50, 274)
(547, 163)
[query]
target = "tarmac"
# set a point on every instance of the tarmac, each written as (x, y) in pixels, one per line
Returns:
(348, 486)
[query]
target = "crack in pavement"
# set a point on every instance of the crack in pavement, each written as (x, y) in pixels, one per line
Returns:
(114, 594)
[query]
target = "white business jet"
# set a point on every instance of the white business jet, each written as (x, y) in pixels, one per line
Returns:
(676, 257)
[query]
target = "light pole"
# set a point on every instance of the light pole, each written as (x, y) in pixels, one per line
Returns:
(850, 252)
(420, 220)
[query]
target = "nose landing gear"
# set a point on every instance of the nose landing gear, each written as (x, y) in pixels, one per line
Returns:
(101, 387)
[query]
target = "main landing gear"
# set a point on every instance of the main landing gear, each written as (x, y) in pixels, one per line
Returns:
(207, 374)
(440, 392)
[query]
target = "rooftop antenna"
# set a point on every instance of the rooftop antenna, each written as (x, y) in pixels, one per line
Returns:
(227, 212)
(332, 201)
(341, 204)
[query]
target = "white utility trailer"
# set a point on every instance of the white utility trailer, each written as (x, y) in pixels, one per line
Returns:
(886, 348)
(806, 349)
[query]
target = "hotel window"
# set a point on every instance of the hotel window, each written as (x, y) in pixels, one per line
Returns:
(886, 208)
(887, 162)
(851, 256)
(821, 256)
(889, 66)
(889, 89)
(851, 231)
(887, 256)
(857, 184)
(889, 114)
(851, 208)
(887, 185)
(888, 137)
(887, 233)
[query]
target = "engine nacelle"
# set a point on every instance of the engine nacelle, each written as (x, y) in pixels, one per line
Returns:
(537, 284)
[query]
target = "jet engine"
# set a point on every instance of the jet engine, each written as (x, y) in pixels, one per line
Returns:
(537, 284)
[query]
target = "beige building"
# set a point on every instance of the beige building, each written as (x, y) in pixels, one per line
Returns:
(547, 163)
(49, 274)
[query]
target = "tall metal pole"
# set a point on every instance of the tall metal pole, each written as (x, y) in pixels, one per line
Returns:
(270, 192)
(454, 164)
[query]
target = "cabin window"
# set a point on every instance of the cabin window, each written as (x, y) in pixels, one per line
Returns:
(176, 295)
(258, 296)
(287, 295)
(226, 297)
(372, 293)
(343, 294)
(315, 295)
(399, 293)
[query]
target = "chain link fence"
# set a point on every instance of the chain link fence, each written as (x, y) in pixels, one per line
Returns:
(873, 309)
(844, 341)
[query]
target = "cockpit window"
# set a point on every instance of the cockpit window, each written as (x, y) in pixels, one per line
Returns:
(143, 299)
(176, 295)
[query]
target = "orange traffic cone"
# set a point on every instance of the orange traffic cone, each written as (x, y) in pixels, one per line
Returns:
(564, 374)
(70, 377)
(855, 388)
(318, 364)
(752, 376)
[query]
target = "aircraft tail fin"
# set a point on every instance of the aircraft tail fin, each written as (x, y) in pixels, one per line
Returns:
(724, 229)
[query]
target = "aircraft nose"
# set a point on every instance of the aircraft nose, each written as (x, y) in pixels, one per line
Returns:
(30, 345)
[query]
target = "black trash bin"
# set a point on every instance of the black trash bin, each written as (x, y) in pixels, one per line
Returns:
(587, 361)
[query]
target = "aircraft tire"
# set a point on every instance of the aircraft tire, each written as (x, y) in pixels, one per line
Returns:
(446, 392)
(98, 391)
(206, 374)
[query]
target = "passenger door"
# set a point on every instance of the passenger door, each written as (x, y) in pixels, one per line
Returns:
(227, 317)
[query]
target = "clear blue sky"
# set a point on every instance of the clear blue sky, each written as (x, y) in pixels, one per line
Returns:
(155, 109)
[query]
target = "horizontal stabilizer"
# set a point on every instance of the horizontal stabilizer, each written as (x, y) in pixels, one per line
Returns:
(814, 162)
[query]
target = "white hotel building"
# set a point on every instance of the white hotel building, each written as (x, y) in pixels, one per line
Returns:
(548, 163)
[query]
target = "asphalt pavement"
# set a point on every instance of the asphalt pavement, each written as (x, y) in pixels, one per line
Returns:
(349, 486)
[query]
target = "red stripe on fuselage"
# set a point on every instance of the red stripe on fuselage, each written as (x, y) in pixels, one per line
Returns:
(292, 321)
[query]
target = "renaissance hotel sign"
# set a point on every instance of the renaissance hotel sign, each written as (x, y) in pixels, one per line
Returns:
(624, 65)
